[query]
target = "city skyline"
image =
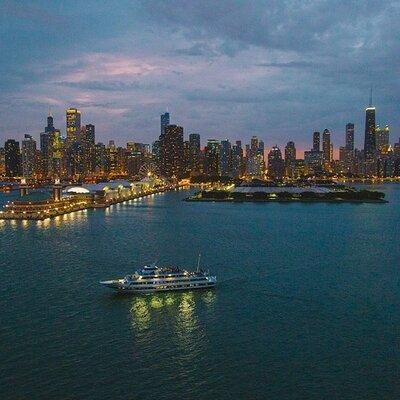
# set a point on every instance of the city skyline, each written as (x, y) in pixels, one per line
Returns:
(222, 81)
(338, 138)
(77, 155)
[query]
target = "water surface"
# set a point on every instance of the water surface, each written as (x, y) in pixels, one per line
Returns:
(307, 306)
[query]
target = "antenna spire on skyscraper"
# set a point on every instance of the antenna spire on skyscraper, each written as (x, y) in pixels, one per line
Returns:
(370, 97)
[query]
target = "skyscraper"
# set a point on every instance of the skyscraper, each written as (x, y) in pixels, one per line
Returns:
(90, 133)
(369, 138)
(46, 138)
(290, 158)
(88, 143)
(226, 158)
(212, 158)
(164, 121)
(194, 153)
(326, 145)
(73, 117)
(276, 166)
(28, 156)
(237, 159)
(171, 151)
(255, 157)
(316, 141)
(12, 158)
(350, 136)
(50, 123)
(382, 138)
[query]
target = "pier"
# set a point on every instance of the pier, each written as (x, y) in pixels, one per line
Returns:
(80, 198)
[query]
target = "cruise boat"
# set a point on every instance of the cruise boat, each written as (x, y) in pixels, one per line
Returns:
(159, 279)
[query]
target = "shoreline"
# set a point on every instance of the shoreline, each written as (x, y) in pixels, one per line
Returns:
(189, 199)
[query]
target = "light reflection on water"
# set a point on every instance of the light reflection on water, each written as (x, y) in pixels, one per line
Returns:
(180, 306)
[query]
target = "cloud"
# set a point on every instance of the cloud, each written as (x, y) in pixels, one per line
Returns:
(278, 68)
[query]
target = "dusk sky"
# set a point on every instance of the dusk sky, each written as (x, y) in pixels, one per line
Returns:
(275, 69)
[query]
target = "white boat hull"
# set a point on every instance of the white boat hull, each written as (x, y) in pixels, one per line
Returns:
(122, 289)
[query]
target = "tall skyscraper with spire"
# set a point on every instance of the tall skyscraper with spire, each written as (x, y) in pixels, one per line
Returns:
(369, 138)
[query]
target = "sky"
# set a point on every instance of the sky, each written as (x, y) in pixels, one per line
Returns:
(225, 69)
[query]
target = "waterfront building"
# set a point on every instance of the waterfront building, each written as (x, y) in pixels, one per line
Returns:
(212, 158)
(171, 152)
(316, 141)
(276, 165)
(226, 158)
(28, 156)
(164, 121)
(12, 156)
(194, 153)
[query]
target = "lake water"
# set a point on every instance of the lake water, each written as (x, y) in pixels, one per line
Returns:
(307, 306)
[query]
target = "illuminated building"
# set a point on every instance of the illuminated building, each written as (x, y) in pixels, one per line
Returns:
(290, 159)
(112, 158)
(12, 156)
(194, 153)
(46, 138)
(396, 156)
(100, 159)
(276, 165)
(369, 138)
(382, 138)
(134, 161)
(164, 121)
(171, 151)
(314, 161)
(237, 160)
(212, 158)
(73, 117)
(326, 146)
(2, 161)
(28, 153)
(255, 158)
(225, 158)
(55, 154)
(316, 141)
(349, 137)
